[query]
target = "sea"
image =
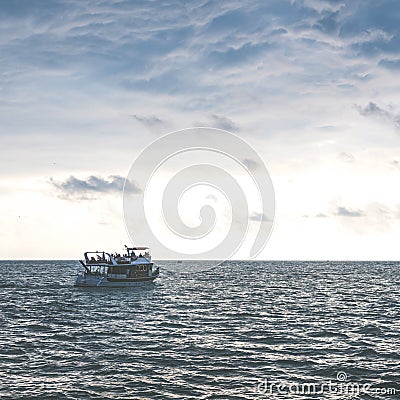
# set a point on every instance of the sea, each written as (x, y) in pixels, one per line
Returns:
(241, 330)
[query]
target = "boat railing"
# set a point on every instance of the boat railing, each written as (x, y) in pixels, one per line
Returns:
(99, 258)
(102, 258)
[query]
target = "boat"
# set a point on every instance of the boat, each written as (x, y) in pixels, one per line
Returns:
(134, 268)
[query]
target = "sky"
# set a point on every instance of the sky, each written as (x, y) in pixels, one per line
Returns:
(312, 85)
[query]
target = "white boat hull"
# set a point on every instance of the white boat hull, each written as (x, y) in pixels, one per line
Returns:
(101, 281)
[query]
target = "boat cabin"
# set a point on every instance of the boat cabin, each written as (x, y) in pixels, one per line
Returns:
(134, 263)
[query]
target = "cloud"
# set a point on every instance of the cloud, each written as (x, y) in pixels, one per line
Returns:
(250, 164)
(321, 215)
(348, 212)
(149, 120)
(239, 55)
(328, 128)
(255, 216)
(346, 157)
(219, 121)
(212, 197)
(390, 64)
(277, 70)
(395, 163)
(204, 56)
(328, 23)
(373, 110)
(222, 122)
(89, 189)
(373, 211)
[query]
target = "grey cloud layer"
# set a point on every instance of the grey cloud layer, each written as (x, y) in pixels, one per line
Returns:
(195, 49)
(371, 210)
(149, 120)
(375, 111)
(74, 188)
(348, 212)
(255, 216)
(219, 121)
(341, 211)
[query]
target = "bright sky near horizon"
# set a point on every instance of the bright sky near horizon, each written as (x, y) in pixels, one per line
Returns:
(312, 85)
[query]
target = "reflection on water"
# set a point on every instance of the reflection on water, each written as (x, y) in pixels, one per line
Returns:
(197, 332)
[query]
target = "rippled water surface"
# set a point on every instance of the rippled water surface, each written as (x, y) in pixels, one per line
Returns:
(200, 334)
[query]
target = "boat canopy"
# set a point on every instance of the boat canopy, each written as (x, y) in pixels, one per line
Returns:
(102, 257)
(137, 248)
